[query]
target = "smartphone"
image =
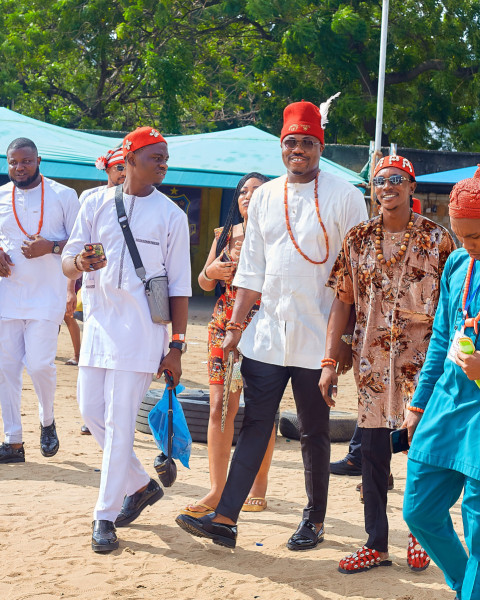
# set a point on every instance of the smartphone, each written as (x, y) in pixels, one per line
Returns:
(399, 440)
(97, 249)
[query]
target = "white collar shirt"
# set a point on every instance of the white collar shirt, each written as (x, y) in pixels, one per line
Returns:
(290, 326)
(84, 195)
(37, 287)
(118, 331)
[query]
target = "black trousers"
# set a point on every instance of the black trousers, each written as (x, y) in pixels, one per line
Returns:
(263, 391)
(376, 457)
(355, 448)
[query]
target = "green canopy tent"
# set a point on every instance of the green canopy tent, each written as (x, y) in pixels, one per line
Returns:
(214, 160)
(65, 154)
(203, 169)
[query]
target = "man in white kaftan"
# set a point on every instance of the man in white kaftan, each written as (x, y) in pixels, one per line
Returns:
(113, 164)
(36, 217)
(121, 346)
(296, 225)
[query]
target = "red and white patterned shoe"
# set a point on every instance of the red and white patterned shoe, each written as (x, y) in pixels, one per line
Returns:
(417, 557)
(362, 560)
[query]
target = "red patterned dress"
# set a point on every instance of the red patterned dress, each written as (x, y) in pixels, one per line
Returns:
(222, 313)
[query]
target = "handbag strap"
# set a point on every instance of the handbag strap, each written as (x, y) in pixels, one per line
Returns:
(127, 232)
(170, 423)
(169, 379)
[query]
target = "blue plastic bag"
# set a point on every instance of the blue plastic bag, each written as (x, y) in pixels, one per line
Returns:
(158, 421)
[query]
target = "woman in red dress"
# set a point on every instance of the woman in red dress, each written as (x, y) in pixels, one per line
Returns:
(220, 268)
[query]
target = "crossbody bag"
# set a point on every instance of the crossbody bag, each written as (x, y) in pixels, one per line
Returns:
(156, 288)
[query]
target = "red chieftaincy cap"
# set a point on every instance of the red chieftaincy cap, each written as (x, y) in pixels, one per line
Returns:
(465, 198)
(307, 118)
(112, 158)
(302, 117)
(141, 137)
(399, 162)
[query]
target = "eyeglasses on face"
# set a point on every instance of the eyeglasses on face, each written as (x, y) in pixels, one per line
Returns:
(292, 143)
(120, 168)
(393, 179)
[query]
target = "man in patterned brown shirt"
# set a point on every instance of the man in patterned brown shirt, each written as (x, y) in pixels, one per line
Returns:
(390, 269)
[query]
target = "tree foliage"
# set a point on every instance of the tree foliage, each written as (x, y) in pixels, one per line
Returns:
(199, 65)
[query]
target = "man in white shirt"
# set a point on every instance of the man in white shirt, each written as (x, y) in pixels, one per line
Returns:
(121, 346)
(113, 164)
(296, 225)
(36, 218)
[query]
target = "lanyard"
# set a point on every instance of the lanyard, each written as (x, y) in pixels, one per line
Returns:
(469, 293)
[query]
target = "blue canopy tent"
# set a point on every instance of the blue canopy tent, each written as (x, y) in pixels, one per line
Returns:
(448, 177)
(441, 183)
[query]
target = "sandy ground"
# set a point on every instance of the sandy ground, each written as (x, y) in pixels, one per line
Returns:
(46, 506)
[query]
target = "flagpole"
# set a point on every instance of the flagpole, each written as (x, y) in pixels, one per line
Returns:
(381, 75)
(380, 93)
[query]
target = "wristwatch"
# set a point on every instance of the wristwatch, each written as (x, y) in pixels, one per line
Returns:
(182, 346)
(56, 248)
(347, 338)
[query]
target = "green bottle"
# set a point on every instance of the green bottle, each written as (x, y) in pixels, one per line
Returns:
(466, 345)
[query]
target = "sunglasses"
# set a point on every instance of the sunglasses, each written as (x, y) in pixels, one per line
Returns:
(393, 179)
(120, 168)
(292, 143)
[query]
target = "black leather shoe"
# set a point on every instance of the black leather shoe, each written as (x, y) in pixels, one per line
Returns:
(49, 444)
(306, 536)
(343, 467)
(219, 533)
(84, 430)
(104, 538)
(134, 504)
(8, 454)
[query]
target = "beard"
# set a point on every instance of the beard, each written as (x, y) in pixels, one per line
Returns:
(26, 182)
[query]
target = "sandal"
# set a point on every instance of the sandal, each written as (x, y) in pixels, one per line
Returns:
(417, 557)
(362, 560)
(71, 362)
(248, 507)
(206, 510)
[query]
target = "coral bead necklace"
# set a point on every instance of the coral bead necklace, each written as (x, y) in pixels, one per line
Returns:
(40, 223)
(403, 247)
(289, 229)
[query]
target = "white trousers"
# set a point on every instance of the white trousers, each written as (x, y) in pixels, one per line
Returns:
(33, 344)
(109, 401)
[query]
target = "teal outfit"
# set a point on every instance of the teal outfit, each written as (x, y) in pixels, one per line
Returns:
(444, 458)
